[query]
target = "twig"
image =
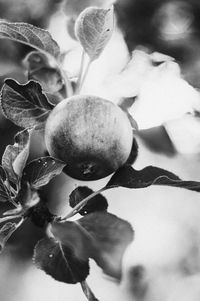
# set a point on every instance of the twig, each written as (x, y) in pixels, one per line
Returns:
(84, 77)
(7, 218)
(79, 206)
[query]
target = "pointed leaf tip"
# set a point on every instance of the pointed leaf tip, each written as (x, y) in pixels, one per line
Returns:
(31, 35)
(93, 29)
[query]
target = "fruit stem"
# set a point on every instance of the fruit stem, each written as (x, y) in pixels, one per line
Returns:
(80, 205)
(80, 72)
(68, 86)
(83, 77)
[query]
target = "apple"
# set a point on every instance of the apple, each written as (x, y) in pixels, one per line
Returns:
(93, 136)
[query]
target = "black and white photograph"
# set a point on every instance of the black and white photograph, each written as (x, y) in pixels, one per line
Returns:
(99, 150)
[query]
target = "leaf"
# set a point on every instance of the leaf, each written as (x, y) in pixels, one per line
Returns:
(99, 235)
(93, 29)
(35, 60)
(15, 156)
(27, 197)
(59, 261)
(40, 171)
(5, 232)
(4, 192)
(41, 68)
(127, 176)
(28, 34)
(97, 203)
(49, 78)
(87, 291)
(25, 105)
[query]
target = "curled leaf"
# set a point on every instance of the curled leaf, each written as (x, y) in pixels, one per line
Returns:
(40, 171)
(93, 29)
(42, 69)
(59, 261)
(127, 176)
(25, 105)
(97, 203)
(5, 232)
(15, 156)
(30, 35)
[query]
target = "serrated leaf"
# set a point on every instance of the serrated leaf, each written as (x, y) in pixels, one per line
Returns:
(15, 156)
(127, 176)
(59, 261)
(93, 29)
(97, 203)
(25, 105)
(5, 232)
(40, 171)
(31, 35)
(4, 192)
(101, 236)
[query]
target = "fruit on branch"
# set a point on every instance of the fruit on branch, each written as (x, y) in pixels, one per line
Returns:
(91, 135)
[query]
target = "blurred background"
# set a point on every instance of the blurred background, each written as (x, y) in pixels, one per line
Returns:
(152, 60)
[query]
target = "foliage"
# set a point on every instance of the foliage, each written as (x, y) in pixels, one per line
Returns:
(65, 252)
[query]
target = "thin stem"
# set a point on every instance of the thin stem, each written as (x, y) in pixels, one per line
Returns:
(8, 218)
(68, 86)
(88, 292)
(79, 206)
(80, 72)
(84, 77)
(20, 223)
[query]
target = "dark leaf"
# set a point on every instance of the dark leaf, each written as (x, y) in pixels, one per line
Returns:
(87, 291)
(127, 176)
(59, 261)
(28, 34)
(97, 203)
(40, 215)
(25, 105)
(101, 236)
(93, 29)
(15, 156)
(4, 192)
(5, 232)
(40, 171)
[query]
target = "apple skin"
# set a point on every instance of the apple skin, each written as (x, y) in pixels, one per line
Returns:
(91, 135)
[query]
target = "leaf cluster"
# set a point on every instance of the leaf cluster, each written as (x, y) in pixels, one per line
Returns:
(99, 235)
